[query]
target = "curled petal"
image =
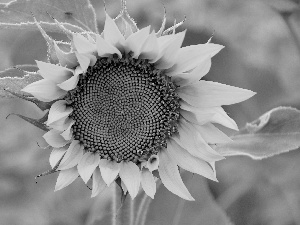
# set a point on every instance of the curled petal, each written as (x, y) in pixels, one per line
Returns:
(109, 170)
(98, 183)
(136, 40)
(209, 94)
(211, 134)
(60, 125)
(190, 56)
(112, 33)
(169, 53)
(105, 49)
(83, 45)
(152, 163)
(56, 155)
(170, 177)
(67, 134)
(148, 183)
(190, 139)
(150, 48)
(188, 162)
(53, 72)
(189, 78)
(72, 156)
(44, 90)
(87, 165)
(70, 83)
(58, 111)
(130, 175)
(65, 178)
(54, 139)
(68, 60)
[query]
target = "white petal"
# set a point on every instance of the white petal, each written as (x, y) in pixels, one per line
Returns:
(61, 124)
(190, 56)
(190, 139)
(112, 33)
(170, 177)
(83, 45)
(130, 175)
(189, 78)
(148, 183)
(105, 49)
(68, 60)
(83, 60)
(87, 165)
(98, 183)
(53, 72)
(44, 90)
(124, 188)
(211, 134)
(72, 156)
(163, 43)
(67, 134)
(65, 178)
(54, 139)
(208, 94)
(188, 162)
(109, 170)
(70, 83)
(169, 54)
(56, 155)
(136, 40)
(152, 163)
(150, 48)
(58, 111)
(204, 115)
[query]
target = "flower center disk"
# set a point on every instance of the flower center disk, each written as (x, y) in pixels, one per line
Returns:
(124, 109)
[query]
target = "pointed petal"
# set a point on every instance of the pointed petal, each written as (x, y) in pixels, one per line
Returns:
(105, 49)
(196, 75)
(109, 170)
(136, 40)
(112, 33)
(208, 94)
(70, 83)
(54, 139)
(201, 116)
(169, 54)
(58, 111)
(98, 183)
(83, 45)
(148, 183)
(68, 60)
(83, 60)
(65, 178)
(124, 188)
(190, 139)
(152, 163)
(188, 162)
(163, 43)
(72, 156)
(170, 177)
(211, 134)
(190, 56)
(53, 72)
(130, 175)
(150, 48)
(87, 165)
(56, 155)
(44, 90)
(67, 134)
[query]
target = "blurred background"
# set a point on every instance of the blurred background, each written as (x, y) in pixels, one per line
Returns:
(262, 53)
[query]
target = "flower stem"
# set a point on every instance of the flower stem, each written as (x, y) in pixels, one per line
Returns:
(132, 210)
(114, 218)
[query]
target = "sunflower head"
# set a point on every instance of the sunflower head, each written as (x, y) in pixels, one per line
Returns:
(128, 102)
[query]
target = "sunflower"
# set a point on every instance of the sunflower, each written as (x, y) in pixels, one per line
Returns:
(128, 105)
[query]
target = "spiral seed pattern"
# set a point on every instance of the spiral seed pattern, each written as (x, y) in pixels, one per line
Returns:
(124, 109)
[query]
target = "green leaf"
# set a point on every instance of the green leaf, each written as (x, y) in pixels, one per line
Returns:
(275, 132)
(14, 79)
(76, 15)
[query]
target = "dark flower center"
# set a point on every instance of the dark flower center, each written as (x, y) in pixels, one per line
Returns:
(124, 109)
